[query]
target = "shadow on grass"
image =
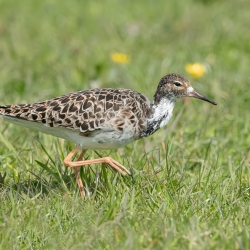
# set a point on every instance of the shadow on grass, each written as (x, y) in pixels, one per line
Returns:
(64, 183)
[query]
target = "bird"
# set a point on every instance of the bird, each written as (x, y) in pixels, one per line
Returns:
(102, 118)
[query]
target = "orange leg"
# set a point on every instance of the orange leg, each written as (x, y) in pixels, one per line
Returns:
(77, 174)
(76, 165)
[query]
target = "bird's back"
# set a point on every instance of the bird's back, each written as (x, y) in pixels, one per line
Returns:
(84, 112)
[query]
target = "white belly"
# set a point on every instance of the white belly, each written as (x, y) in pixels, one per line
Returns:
(100, 139)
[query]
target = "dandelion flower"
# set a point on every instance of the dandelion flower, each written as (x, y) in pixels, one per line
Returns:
(120, 58)
(196, 69)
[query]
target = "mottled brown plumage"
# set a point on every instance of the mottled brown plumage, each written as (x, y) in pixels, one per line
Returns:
(102, 118)
(87, 111)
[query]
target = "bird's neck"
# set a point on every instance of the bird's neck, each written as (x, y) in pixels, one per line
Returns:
(161, 113)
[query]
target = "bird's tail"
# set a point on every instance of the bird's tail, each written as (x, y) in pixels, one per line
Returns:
(4, 110)
(21, 111)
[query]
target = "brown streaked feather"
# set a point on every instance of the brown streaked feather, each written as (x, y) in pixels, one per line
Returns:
(87, 111)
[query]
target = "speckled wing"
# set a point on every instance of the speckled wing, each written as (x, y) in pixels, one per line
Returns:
(84, 111)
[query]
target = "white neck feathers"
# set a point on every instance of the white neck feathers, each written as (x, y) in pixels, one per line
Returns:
(163, 111)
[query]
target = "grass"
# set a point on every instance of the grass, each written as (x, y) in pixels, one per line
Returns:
(191, 179)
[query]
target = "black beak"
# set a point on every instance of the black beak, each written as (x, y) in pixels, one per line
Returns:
(202, 97)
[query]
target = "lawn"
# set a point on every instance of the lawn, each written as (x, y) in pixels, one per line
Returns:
(191, 187)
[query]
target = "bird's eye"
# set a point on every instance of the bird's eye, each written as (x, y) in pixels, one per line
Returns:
(177, 84)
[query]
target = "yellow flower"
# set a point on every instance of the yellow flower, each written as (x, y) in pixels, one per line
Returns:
(196, 69)
(120, 58)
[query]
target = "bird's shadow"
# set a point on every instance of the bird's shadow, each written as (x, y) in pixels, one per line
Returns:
(63, 182)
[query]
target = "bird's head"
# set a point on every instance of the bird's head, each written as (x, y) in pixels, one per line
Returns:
(174, 86)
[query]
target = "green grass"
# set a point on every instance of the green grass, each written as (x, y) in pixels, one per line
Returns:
(191, 179)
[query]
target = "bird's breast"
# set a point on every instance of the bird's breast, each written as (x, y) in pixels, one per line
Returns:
(162, 112)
